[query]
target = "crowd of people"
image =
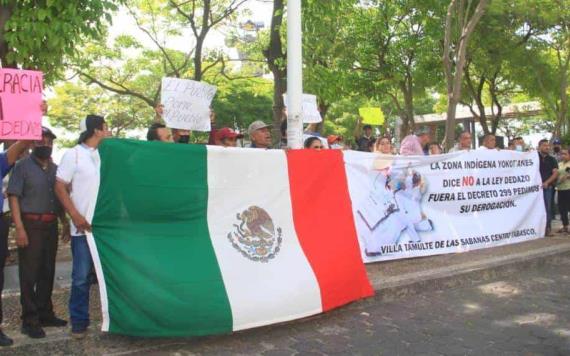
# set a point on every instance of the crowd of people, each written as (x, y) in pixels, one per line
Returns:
(43, 195)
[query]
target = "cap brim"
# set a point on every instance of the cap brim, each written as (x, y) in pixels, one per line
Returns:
(49, 134)
(231, 135)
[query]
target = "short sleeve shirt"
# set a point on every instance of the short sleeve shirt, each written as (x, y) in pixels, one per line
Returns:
(563, 173)
(364, 142)
(4, 169)
(79, 167)
(547, 165)
(34, 186)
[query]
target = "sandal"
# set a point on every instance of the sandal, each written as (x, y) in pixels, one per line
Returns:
(563, 230)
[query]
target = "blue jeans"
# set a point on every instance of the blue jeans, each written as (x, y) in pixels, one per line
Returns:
(80, 283)
(548, 194)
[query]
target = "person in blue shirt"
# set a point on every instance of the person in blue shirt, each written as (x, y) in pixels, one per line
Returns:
(7, 160)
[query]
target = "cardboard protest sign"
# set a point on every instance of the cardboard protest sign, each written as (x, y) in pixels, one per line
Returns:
(187, 104)
(372, 116)
(311, 114)
(20, 104)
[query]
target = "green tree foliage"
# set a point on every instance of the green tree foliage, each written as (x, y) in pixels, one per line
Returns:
(543, 69)
(240, 102)
(73, 101)
(41, 34)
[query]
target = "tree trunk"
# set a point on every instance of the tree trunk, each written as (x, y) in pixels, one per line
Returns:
(408, 123)
(563, 92)
(198, 60)
(454, 80)
(5, 14)
(279, 88)
(276, 62)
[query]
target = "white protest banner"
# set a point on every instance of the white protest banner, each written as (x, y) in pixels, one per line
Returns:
(311, 114)
(427, 205)
(187, 104)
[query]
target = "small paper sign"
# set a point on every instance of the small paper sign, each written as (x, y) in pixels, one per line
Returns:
(311, 114)
(372, 116)
(187, 104)
(20, 104)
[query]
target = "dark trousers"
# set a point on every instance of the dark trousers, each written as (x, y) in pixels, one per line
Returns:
(37, 270)
(564, 205)
(547, 194)
(4, 230)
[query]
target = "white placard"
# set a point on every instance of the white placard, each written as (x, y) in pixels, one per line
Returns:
(187, 104)
(311, 114)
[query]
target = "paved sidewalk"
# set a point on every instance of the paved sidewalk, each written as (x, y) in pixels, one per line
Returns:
(393, 281)
(523, 313)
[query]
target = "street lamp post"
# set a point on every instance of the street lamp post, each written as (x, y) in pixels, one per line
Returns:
(294, 75)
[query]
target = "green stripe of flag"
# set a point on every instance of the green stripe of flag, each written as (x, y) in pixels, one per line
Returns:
(152, 212)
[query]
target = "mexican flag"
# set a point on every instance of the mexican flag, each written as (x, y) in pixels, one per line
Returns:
(195, 240)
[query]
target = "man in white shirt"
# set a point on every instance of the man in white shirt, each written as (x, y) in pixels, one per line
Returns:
(464, 143)
(489, 142)
(78, 174)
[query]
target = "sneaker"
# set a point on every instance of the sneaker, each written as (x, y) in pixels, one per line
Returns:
(53, 321)
(78, 335)
(33, 331)
(5, 340)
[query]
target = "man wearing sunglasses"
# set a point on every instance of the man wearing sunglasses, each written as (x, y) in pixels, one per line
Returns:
(35, 210)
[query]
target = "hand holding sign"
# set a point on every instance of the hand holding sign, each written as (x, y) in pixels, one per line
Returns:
(20, 104)
(311, 114)
(372, 116)
(187, 104)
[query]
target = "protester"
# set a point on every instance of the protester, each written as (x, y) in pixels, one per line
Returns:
(435, 149)
(463, 142)
(364, 140)
(519, 144)
(212, 138)
(549, 175)
(35, 209)
(335, 142)
(413, 145)
(159, 132)
(7, 160)
(489, 142)
(557, 149)
(314, 143)
(78, 173)
(383, 146)
(563, 189)
(227, 137)
(181, 136)
(312, 131)
(259, 134)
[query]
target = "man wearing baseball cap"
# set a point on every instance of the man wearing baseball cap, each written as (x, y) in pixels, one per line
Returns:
(227, 137)
(76, 185)
(557, 149)
(335, 142)
(259, 134)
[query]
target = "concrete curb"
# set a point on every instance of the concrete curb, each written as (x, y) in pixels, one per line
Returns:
(465, 274)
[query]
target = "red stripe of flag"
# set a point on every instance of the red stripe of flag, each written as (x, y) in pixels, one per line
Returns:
(324, 223)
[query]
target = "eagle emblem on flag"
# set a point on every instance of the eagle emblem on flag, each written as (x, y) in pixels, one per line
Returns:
(255, 235)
